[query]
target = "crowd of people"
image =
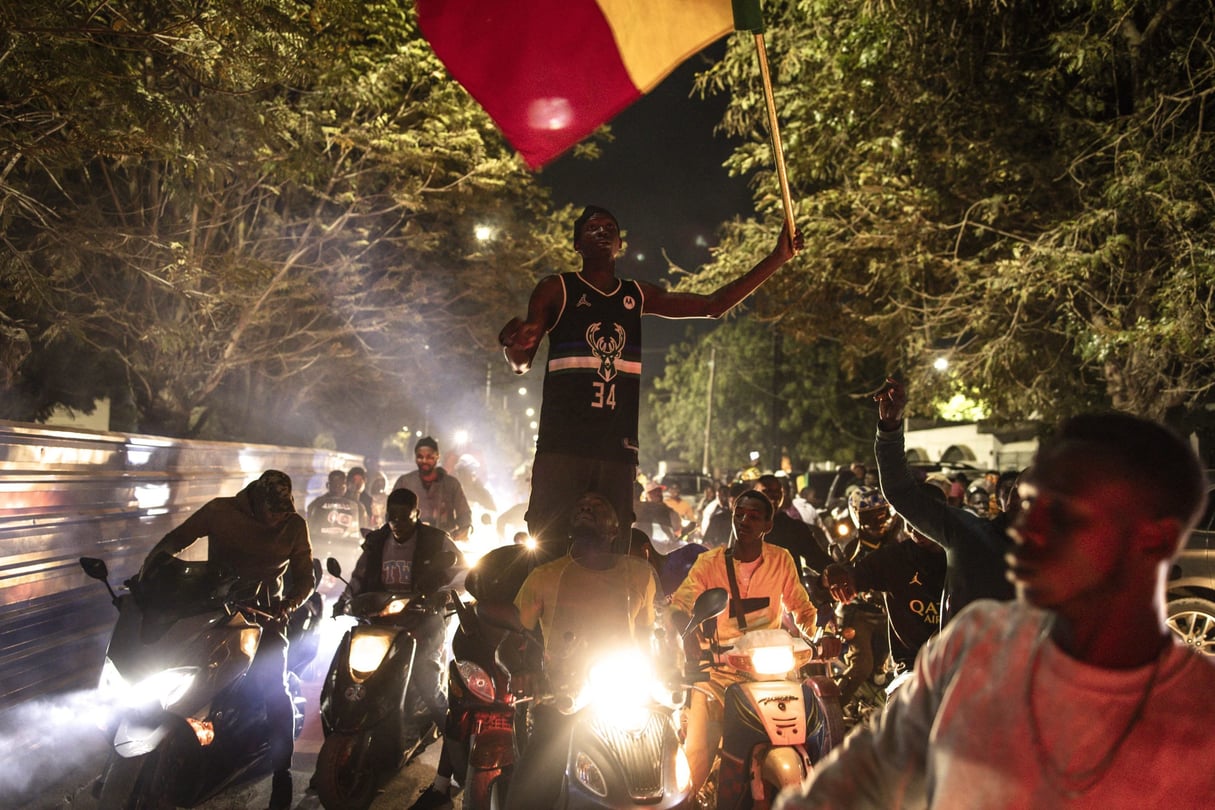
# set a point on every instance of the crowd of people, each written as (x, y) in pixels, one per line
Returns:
(1026, 606)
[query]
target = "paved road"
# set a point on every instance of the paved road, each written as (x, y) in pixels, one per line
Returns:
(53, 753)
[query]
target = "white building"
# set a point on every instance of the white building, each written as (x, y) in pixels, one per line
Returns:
(977, 443)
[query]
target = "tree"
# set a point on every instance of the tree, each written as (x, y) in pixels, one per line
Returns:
(821, 413)
(250, 221)
(1023, 187)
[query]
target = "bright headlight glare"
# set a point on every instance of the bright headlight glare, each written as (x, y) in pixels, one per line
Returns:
(620, 688)
(368, 648)
(772, 660)
(167, 686)
(683, 771)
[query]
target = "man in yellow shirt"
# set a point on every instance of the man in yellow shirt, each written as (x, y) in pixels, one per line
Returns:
(589, 598)
(768, 585)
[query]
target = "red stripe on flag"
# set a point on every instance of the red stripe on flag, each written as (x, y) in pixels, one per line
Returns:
(547, 71)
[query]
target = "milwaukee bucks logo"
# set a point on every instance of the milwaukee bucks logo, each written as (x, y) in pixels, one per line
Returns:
(607, 346)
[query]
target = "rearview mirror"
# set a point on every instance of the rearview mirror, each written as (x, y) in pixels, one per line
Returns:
(710, 603)
(333, 567)
(95, 568)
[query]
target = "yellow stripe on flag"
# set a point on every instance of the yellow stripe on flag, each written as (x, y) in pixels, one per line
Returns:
(656, 36)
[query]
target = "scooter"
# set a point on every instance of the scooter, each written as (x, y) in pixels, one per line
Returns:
(623, 749)
(777, 724)
(367, 697)
(481, 719)
(188, 722)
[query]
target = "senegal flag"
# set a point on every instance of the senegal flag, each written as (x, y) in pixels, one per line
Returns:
(549, 72)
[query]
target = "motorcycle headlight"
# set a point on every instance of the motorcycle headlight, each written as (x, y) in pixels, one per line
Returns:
(620, 688)
(368, 646)
(768, 652)
(772, 660)
(167, 686)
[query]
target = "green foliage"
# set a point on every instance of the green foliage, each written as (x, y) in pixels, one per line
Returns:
(821, 412)
(1025, 187)
(251, 217)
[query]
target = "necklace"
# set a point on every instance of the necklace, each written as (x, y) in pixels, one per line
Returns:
(1076, 783)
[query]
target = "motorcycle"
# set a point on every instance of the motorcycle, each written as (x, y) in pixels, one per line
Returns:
(767, 742)
(481, 722)
(188, 721)
(369, 713)
(862, 621)
(623, 749)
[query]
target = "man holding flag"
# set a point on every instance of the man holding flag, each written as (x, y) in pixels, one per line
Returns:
(588, 420)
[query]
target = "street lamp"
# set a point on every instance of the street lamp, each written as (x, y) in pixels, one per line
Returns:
(941, 363)
(522, 390)
(483, 233)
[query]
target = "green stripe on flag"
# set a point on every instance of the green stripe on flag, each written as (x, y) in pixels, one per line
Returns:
(747, 16)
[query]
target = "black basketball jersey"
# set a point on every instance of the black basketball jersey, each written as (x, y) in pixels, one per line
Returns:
(592, 382)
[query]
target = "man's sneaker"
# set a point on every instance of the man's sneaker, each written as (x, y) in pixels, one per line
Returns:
(432, 799)
(280, 791)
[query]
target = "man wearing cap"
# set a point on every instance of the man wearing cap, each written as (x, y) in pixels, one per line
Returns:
(588, 420)
(441, 501)
(654, 517)
(258, 535)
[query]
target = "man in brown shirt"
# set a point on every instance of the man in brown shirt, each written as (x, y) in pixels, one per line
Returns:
(259, 535)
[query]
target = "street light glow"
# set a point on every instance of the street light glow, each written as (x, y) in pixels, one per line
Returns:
(483, 233)
(522, 391)
(530, 412)
(941, 363)
(461, 437)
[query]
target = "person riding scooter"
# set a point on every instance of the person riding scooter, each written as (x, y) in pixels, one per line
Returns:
(396, 557)
(590, 593)
(763, 582)
(864, 618)
(260, 537)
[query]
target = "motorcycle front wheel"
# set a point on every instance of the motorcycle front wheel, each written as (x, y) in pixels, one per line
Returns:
(138, 783)
(345, 779)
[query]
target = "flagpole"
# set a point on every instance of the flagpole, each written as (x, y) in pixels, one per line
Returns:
(778, 153)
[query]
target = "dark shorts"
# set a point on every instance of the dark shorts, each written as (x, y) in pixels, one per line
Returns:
(560, 479)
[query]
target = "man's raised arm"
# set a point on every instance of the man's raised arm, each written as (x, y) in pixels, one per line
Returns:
(520, 339)
(693, 305)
